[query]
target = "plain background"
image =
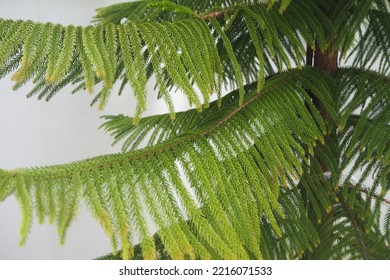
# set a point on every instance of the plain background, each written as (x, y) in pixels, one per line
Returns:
(39, 133)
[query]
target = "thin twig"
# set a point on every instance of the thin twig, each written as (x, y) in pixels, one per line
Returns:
(377, 196)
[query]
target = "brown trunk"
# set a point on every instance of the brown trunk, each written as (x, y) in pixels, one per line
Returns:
(327, 62)
(309, 56)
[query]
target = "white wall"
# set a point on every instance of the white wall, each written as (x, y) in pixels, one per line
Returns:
(37, 133)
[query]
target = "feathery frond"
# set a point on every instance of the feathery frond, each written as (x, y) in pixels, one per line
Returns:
(213, 155)
(346, 233)
(91, 55)
(135, 50)
(365, 118)
(373, 43)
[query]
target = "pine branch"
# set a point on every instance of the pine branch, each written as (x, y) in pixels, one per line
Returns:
(115, 186)
(365, 133)
(109, 52)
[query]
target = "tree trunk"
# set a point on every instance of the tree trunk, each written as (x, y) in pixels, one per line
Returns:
(327, 62)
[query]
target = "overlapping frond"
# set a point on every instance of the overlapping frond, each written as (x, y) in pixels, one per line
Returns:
(104, 54)
(237, 44)
(373, 42)
(231, 184)
(350, 215)
(346, 232)
(155, 129)
(365, 142)
(365, 122)
(241, 42)
(278, 38)
(348, 17)
(300, 234)
(266, 42)
(164, 10)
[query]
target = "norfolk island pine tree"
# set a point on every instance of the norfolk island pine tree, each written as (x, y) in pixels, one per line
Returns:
(262, 172)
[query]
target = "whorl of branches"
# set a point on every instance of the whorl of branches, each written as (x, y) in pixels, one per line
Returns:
(232, 183)
(197, 51)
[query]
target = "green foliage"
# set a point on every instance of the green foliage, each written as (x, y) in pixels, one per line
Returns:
(374, 42)
(131, 52)
(263, 172)
(90, 55)
(365, 122)
(108, 183)
(347, 231)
